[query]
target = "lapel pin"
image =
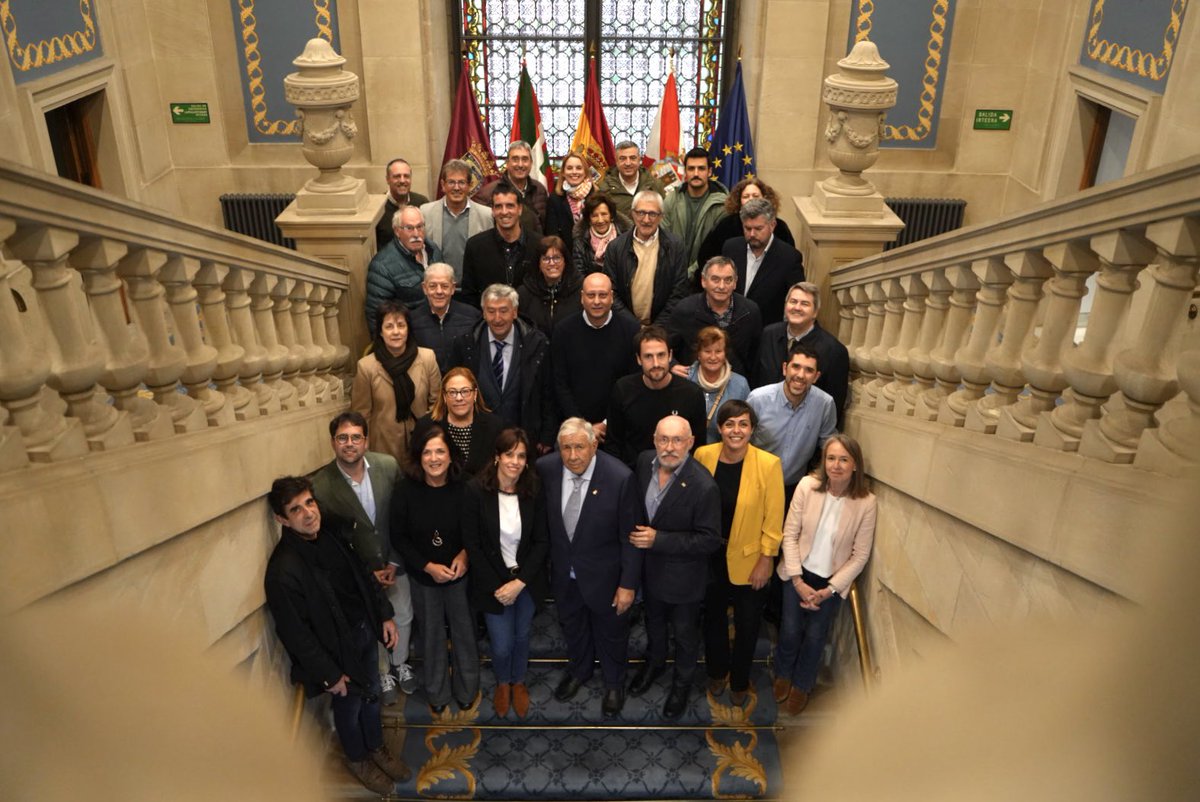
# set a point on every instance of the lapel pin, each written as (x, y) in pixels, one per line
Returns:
(683, 484)
(595, 492)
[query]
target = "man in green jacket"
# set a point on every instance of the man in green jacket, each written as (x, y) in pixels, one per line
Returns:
(691, 212)
(628, 179)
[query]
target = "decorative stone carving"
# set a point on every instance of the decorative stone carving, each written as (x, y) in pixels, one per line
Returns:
(262, 307)
(965, 287)
(230, 355)
(202, 359)
(241, 322)
(994, 278)
(858, 98)
(322, 93)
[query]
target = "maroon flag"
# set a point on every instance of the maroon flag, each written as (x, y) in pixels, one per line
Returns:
(468, 139)
(592, 138)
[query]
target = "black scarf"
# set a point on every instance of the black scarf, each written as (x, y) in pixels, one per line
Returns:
(397, 367)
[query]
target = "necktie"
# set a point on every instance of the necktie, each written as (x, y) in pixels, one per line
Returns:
(574, 504)
(498, 364)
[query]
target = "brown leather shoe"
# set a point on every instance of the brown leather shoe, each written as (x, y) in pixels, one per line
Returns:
(371, 776)
(501, 700)
(781, 688)
(520, 699)
(392, 765)
(797, 700)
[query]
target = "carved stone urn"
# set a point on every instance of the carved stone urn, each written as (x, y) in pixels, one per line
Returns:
(858, 98)
(323, 93)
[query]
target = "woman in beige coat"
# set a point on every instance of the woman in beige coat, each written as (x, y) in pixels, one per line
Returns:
(827, 539)
(395, 384)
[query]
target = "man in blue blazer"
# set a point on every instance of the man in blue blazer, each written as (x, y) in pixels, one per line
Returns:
(591, 507)
(683, 507)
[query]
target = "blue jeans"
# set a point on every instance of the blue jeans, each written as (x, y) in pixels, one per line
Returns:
(358, 722)
(802, 634)
(509, 633)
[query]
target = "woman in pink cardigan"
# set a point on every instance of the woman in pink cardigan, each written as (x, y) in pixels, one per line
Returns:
(826, 542)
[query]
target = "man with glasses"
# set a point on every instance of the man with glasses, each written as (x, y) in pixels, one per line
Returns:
(453, 219)
(718, 305)
(356, 487)
(647, 264)
(398, 175)
(682, 509)
(396, 271)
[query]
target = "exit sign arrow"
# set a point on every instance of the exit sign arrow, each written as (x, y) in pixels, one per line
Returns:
(993, 119)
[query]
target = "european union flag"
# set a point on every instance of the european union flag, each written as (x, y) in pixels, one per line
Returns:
(733, 149)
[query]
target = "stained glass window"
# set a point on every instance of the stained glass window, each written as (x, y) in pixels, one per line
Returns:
(633, 41)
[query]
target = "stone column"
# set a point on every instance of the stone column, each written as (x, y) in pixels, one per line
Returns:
(76, 358)
(202, 358)
(40, 435)
(893, 313)
(1041, 364)
(937, 304)
(914, 293)
(971, 359)
(858, 334)
(286, 330)
(873, 296)
(126, 348)
(262, 307)
(333, 218)
(311, 354)
(1146, 373)
(846, 219)
(1089, 367)
(965, 287)
(216, 328)
(343, 362)
(316, 321)
(168, 359)
(1175, 445)
(241, 320)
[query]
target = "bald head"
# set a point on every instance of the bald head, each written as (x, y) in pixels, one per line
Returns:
(672, 440)
(596, 295)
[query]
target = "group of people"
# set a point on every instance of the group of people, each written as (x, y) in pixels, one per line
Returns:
(559, 398)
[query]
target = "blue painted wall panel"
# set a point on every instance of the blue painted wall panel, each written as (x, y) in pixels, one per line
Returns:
(42, 37)
(268, 35)
(913, 36)
(1133, 40)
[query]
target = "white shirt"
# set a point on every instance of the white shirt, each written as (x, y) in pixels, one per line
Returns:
(363, 490)
(820, 556)
(510, 528)
(631, 188)
(754, 262)
(588, 321)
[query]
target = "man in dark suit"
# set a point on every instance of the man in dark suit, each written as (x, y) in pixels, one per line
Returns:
(591, 507)
(357, 487)
(766, 266)
(683, 507)
(800, 326)
(329, 613)
(510, 360)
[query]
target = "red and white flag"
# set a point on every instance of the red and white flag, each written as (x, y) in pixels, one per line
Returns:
(663, 144)
(527, 127)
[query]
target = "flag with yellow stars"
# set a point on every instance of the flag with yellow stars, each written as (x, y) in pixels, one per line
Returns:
(733, 148)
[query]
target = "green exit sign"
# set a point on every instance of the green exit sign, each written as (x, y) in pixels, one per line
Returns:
(183, 113)
(993, 119)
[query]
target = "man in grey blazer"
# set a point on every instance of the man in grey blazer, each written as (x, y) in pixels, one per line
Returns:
(356, 487)
(452, 219)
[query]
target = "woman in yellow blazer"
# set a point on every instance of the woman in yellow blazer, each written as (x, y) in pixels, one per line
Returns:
(826, 542)
(395, 384)
(750, 481)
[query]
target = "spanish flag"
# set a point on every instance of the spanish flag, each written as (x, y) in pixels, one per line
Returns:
(592, 139)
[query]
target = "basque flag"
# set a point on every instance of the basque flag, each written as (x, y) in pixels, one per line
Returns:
(527, 127)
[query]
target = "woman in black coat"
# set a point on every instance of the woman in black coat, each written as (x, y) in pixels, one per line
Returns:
(599, 226)
(504, 530)
(551, 292)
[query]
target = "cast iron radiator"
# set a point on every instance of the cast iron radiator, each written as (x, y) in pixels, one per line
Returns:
(925, 217)
(254, 216)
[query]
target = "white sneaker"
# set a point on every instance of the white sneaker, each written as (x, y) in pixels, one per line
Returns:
(408, 680)
(389, 697)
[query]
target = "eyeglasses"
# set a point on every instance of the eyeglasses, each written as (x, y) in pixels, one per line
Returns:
(552, 260)
(349, 438)
(647, 214)
(676, 441)
(464, 393)
(417, 227)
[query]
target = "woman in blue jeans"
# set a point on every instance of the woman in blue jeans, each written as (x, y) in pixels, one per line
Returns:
(505, 533)
(827, 539)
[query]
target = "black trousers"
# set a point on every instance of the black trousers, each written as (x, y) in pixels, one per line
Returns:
(747, 621)
(684, 618)
(593, 633)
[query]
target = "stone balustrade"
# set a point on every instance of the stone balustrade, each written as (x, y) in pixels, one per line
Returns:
(981, 328)
(120, 324)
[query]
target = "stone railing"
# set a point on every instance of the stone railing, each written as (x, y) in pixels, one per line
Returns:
(121, 324)
(980, 328)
